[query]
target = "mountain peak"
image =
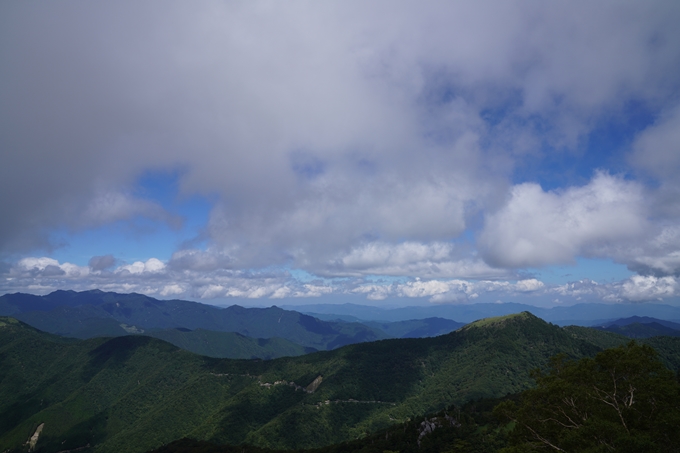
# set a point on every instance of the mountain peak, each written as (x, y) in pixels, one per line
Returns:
(5, 321)
(499, 321)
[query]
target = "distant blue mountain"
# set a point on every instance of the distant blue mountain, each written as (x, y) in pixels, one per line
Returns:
(96, 313)
(417, 328)
(641, 327)
(640, 320)
(580, 314)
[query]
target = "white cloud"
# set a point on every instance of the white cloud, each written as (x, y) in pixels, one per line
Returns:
(311, 290)
(657, 148)
(657, 252)
(637, 288)
(373, 292)
(453, 291)
(587, 290)
(387, 110)
(100, 263)
(377, 254)
(172, 290)
(424, 289)
(528, 285)
(36, 263)
(342, 138)
(641, 288)
(427, 260)
(200, 260)
(536, 228)
(43, 275)
(211, 291)
(151, 266)
(422, 259)
(111, 207)
(48, 267)
(281, 292)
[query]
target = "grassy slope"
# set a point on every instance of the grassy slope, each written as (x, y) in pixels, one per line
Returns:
(135, 393)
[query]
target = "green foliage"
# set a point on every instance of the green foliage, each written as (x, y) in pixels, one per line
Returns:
(137, 393)
(643, 330)
(229, 344)
(600, 338)
(668, 349)
(622, 400)
(470, 429)
(417, 328)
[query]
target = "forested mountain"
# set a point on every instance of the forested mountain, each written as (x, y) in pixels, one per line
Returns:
(623, 400)
(230, 345)
(641, 327)
(95, 313)
(416, 328)
(134, 393)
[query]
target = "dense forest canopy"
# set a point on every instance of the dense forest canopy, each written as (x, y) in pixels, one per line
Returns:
(622, 400)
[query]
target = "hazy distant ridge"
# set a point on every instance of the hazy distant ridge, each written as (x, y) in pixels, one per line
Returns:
(580, 314)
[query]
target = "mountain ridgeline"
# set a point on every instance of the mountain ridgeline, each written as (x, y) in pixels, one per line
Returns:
(135, 393)
(233, 332)
(238, 332)
(641, 327)
(194, 326)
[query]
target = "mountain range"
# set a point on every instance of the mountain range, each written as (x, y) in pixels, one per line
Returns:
(641, 327)
(238, 332)
(579, 314)
(135, 393)
(194, 326)
(232, 332)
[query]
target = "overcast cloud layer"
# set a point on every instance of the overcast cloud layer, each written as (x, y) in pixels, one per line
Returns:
(447, 148)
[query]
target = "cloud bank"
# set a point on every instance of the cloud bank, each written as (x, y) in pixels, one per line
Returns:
(345, 139)
(165, 280)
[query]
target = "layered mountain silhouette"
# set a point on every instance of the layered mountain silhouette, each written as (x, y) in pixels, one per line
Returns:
(585, 314)
(95, 313)
(641, 327)
(135, 393)
(232, 332)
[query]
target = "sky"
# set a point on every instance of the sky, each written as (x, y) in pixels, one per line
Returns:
(387, 153)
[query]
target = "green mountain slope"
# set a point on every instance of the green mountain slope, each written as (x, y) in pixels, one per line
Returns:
(135, 393)
(471, 428)
(230, 345)
(200, 341)
(417, 328)
(76, 322)
(667, 347)
(600, 338)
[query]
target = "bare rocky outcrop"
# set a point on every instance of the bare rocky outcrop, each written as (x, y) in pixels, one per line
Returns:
(131, 329)
(314, 385)
(311, 388)
(428, 426)
(33, 440)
